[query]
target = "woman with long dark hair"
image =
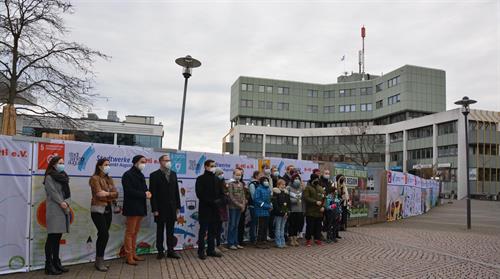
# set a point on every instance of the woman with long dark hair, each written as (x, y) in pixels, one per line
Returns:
(103, 194)
(56, 183)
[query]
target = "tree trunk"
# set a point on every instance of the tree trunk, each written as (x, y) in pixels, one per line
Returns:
(9, 120)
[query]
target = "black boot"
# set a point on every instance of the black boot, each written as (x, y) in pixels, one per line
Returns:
(50, 269)
(58, 266)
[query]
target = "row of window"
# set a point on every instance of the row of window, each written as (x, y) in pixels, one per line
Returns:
(488, 174)
(484, 149)
(447, 150)
(393, 82)
(250, 138)
(393, 99)
(347, 158)
(244, 103)
(270, 139)
(418, 133)
(396, 137)
(328, 140)
(296, 124)
(447, 128)
(312, 93)
(422, 153)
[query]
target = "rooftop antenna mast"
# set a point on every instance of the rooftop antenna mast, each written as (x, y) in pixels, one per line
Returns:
(362, 53)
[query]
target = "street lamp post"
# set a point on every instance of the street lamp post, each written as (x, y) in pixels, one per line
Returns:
(465, 103)
(187, 63)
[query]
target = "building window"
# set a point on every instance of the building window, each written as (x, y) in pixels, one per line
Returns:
(281, 140)
(261, 105)
(346, 92)
(447, 128)
(328, 109)
(393, 99)
(250, 138)
(418, 133)
(246, 87)
(366, 107)
(312, 108)
(283, 106)
(329, 94)
(347, 108)
(396, 137)
(448, 150)
(269, 89)
(378, 87)
(269, 105)
(283, 91)
(366, 91)
(312, 93)
(262, 88)
(393, 82)
(396, 156)
(379, 104)
(246, 103)
(417, 154)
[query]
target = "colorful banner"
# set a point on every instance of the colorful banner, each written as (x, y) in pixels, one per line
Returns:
(15, 177)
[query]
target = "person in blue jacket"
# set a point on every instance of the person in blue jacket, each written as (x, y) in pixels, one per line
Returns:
(263, 206)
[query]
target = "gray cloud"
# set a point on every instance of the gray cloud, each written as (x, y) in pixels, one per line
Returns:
(287, 40)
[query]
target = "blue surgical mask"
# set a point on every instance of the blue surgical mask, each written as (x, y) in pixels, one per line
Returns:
(276, 174)
(265, 183)
(237, 178)
(106, 169)
(60, 167)
(326, 176)
(221, 177)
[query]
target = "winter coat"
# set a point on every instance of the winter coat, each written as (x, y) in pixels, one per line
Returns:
(58, 219)
(333, 204)
(134, 193)
(101, 185)
(296, 199)
(262, 201)
(237, 198)
(326, 184)
(313, 194)
(210, 197)
(165, 196)
(281, 202)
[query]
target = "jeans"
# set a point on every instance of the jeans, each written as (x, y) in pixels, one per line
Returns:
(241, 226)
(279, 230)
(232, 230)
(102, 222)
(209, 229)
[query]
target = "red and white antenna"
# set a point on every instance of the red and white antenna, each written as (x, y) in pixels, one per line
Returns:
(362, 52)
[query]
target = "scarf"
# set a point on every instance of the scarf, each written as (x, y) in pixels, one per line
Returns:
(63, 179)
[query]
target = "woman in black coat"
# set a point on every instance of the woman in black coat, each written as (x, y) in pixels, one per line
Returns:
(135, 193)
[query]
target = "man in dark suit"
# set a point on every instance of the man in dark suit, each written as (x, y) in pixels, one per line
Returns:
(210, 199)
(165, 205)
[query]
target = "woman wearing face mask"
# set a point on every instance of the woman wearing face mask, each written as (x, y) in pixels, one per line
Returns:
(135, 193)
(263, 207)
(296, 219)
(104, 193)
(56, 184)
(223, 212)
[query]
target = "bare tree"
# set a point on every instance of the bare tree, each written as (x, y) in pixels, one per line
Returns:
(359, 146)
(36, 61)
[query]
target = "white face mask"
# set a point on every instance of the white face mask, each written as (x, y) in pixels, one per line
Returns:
(237, 178)
(105, 169)
(141, 167)
(167, 165)
(267, 171)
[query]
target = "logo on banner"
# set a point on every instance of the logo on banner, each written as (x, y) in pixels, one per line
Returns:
(81, 161)
(197, 167)
(46, 151)
(178, 162)
(281, 166)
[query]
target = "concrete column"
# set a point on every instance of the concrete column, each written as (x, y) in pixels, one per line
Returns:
(115, 138)
(434, 145)
(263, 145)
(405, 152)
(299, 142)
(387, 151)
(462, 171)
(236, 141)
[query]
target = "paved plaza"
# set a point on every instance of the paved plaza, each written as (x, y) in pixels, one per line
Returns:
(434, 245)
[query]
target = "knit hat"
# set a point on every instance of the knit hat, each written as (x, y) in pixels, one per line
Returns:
(313, 177)
(137, 158)
(296, 175)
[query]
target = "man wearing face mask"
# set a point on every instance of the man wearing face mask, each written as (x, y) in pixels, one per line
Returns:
(165, 205)
(290, 171)
(210, 199)
(135, 193)
(326, 182)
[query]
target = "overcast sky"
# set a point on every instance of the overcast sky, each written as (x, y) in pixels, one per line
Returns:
(296, 40)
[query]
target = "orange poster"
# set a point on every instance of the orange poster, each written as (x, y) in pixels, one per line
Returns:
(48, 150)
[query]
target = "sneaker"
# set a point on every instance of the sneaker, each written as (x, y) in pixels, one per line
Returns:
(240, 247)
(318, 242)
(232, 247)
(308, 243)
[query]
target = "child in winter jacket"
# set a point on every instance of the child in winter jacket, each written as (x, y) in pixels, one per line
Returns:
(263, 206)
(333, 211)
(296, 215)
(281, 208)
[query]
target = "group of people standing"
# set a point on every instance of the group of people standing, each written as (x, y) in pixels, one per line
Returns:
(277, 206)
